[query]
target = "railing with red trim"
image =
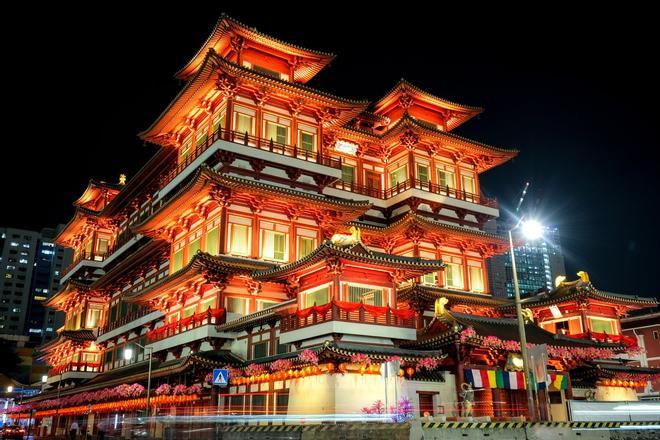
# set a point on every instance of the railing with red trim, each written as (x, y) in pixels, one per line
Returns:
(417, 184)
(628, 341)
(82, 367)
(348, 312)
(210, 317)
(248, 140)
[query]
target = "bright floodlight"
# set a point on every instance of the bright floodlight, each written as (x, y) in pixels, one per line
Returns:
(10, 389)
(532, 229)
(128, 354)
(44, 378)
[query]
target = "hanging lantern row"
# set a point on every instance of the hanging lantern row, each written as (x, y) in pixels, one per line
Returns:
(622, 383)
(315, 370)
(120, 405)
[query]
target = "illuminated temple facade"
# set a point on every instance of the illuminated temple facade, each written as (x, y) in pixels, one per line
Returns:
(301, 240)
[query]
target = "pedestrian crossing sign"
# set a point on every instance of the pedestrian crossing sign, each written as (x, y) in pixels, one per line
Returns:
(220, 377)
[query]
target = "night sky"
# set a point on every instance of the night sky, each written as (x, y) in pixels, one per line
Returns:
(576, 93)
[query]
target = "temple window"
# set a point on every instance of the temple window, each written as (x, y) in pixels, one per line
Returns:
(274, 241)
(184, 152)
(189, 311)
(235, 305)
(306, 246)
(239, 236)
(446, 177)
(281, 348)
(102, 245)
(603, 325)
(398, 176)
(476, 276)
(423, 173)
(276, 132)
(219, 121)
(347, 173)
(373, 296)
(243, 123)
(206, 304)
(263, 304)
(307, 138)
(177, 256)
(430, 279)
(318, 296)
(260, 350)
(372, 180)
(194, 244)
(453, 272)
(468, 184)
(201, 135)
(213, 238)
(93, 317)
(568, 326)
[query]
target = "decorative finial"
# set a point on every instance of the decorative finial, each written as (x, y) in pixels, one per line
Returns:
(122, 179)
(439, 307)
(583, 276)
(560, 280)
(347, 240)
(528, 315)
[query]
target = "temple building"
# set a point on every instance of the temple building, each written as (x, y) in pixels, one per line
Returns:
(328, 252)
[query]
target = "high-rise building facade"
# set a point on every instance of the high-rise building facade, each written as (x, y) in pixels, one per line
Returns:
(30, 271)
(538, 263)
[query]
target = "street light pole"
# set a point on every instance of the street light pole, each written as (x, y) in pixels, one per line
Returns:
(521, 331)
(128, 354)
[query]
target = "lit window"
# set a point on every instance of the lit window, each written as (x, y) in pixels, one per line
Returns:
(212, 241)
(306, 246)
(239, 239)
(201, 139)
(177, 257)
(194, 246)
(26, 245)
(23, 261)
(430, 279)
(276, 132)
(189, 311)
(373, 296)
(263, 304)
(235, 305)
(468, 184)
(446, 178)
(318, 297)
(307, 141)
(185, 152)
(274, 246)
(93, 317)
(398, 176)
(476, 279)
(219, 122)
(423, 174)
(600, 325)
(13, 243)
(260, 349)
(454, 275)
(347, 173)
(243, 123)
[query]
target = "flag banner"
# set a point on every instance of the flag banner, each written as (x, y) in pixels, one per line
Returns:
(512, 380)
(557, 381)
(538, 361)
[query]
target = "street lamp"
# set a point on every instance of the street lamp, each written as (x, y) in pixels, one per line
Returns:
(128, 355)
(532, 230)
(10, 389)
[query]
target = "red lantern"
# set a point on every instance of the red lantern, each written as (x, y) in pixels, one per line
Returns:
(330, 366)
(410, 371)
(342, 367)
(401, 372)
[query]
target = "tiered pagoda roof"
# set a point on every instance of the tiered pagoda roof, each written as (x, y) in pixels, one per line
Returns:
(203, 268)
(97, 195)
(427, 295)
(70, 294)
(408, 267)
(578, 290)
(433, 231)
(207, 188)
(311, 61)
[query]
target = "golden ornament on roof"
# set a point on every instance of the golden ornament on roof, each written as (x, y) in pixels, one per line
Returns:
(584, 276)
(122, 179)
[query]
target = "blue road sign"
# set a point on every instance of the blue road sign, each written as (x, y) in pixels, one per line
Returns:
(220, 377)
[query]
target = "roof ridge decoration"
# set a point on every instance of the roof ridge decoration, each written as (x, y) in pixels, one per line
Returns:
(405, 86)
(311, 60)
